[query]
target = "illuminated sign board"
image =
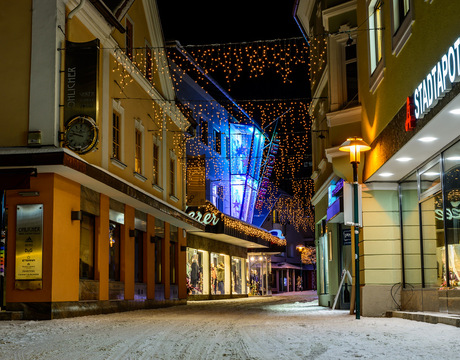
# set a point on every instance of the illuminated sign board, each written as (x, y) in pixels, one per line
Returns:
(438, 81)
(207, 218)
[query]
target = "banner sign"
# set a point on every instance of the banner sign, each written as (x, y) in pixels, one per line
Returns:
(80, 84)
(29, 242)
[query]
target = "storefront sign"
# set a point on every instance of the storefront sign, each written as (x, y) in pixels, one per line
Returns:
(438, 81)
(207, 218)
(80, 86)
(450, 214)
(29, 242)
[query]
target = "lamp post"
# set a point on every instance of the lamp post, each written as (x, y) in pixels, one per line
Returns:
(354, 146)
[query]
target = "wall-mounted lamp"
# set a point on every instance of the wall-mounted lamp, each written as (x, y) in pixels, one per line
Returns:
(75, 215)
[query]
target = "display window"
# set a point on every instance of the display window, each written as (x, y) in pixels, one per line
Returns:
(197, 271)
(220, 279)
(238, 275)
(114, 251)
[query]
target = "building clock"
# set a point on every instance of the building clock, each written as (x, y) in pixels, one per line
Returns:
(81, 134)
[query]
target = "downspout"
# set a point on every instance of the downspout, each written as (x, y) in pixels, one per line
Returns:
(76, 9)
(69, 17)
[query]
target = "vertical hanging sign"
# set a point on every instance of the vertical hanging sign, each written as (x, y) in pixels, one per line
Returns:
(29, 242)
(80, 84)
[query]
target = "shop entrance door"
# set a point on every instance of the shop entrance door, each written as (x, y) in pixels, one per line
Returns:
(345, 258)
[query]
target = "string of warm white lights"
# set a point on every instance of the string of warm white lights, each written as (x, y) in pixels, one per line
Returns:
(293, 127)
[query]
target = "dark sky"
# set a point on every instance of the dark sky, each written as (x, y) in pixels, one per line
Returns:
(204, 21)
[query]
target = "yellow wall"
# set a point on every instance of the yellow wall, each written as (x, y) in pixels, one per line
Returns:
(61, 239)
(15, 71)
(66, 240)
(434, 30)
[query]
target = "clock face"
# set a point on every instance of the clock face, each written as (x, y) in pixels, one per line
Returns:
(81, 134)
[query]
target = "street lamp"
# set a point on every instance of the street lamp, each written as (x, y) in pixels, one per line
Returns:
(354, 146)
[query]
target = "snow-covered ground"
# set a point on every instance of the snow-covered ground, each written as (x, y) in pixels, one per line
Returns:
(278, 327)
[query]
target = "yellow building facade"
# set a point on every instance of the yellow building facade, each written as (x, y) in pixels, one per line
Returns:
(92, 160)
(406, 72)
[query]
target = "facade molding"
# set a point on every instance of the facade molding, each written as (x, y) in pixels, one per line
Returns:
(337, 10)
(344, 117)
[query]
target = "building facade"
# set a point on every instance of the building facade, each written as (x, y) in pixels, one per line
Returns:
(224, 155)
(92, 161)
(407, 72)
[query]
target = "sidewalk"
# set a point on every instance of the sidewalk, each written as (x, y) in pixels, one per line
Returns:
(428, 317)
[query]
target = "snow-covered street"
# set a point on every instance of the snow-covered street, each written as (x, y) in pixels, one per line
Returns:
(278, 327)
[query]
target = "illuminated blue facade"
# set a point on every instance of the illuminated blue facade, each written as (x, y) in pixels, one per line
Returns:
(229, 149)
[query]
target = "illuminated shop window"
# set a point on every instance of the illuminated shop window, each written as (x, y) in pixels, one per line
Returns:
(197, 272)
(238, 275)
(173, 249)
(114, 251)
(219, 284)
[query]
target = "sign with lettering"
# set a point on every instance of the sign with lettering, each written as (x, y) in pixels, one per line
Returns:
(207, 218)
(438, 81)
(451, 213)
(29, 242)
(80, 84)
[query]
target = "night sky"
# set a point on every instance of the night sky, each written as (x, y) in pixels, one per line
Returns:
(204, 21)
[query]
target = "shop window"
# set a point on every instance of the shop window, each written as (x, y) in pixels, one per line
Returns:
(451, 193)
(375, 42)
(159, 238)
(411, 232)
(218, 272)
(129, 38)
(114, 251)
(197, 271)
(87, 246)
(238, 275)
(139, 256)
(434, 268)
(402, 17)
(156, 163)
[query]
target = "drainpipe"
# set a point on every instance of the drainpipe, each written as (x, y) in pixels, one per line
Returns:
(75, 10)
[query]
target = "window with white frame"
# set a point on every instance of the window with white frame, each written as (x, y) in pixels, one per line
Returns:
(117, 134)
(138, 147)
(402, 17)
(156, 162)
(375, 41)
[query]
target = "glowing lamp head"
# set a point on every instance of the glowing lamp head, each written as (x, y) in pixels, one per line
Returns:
(354, 146)
(300, 247)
